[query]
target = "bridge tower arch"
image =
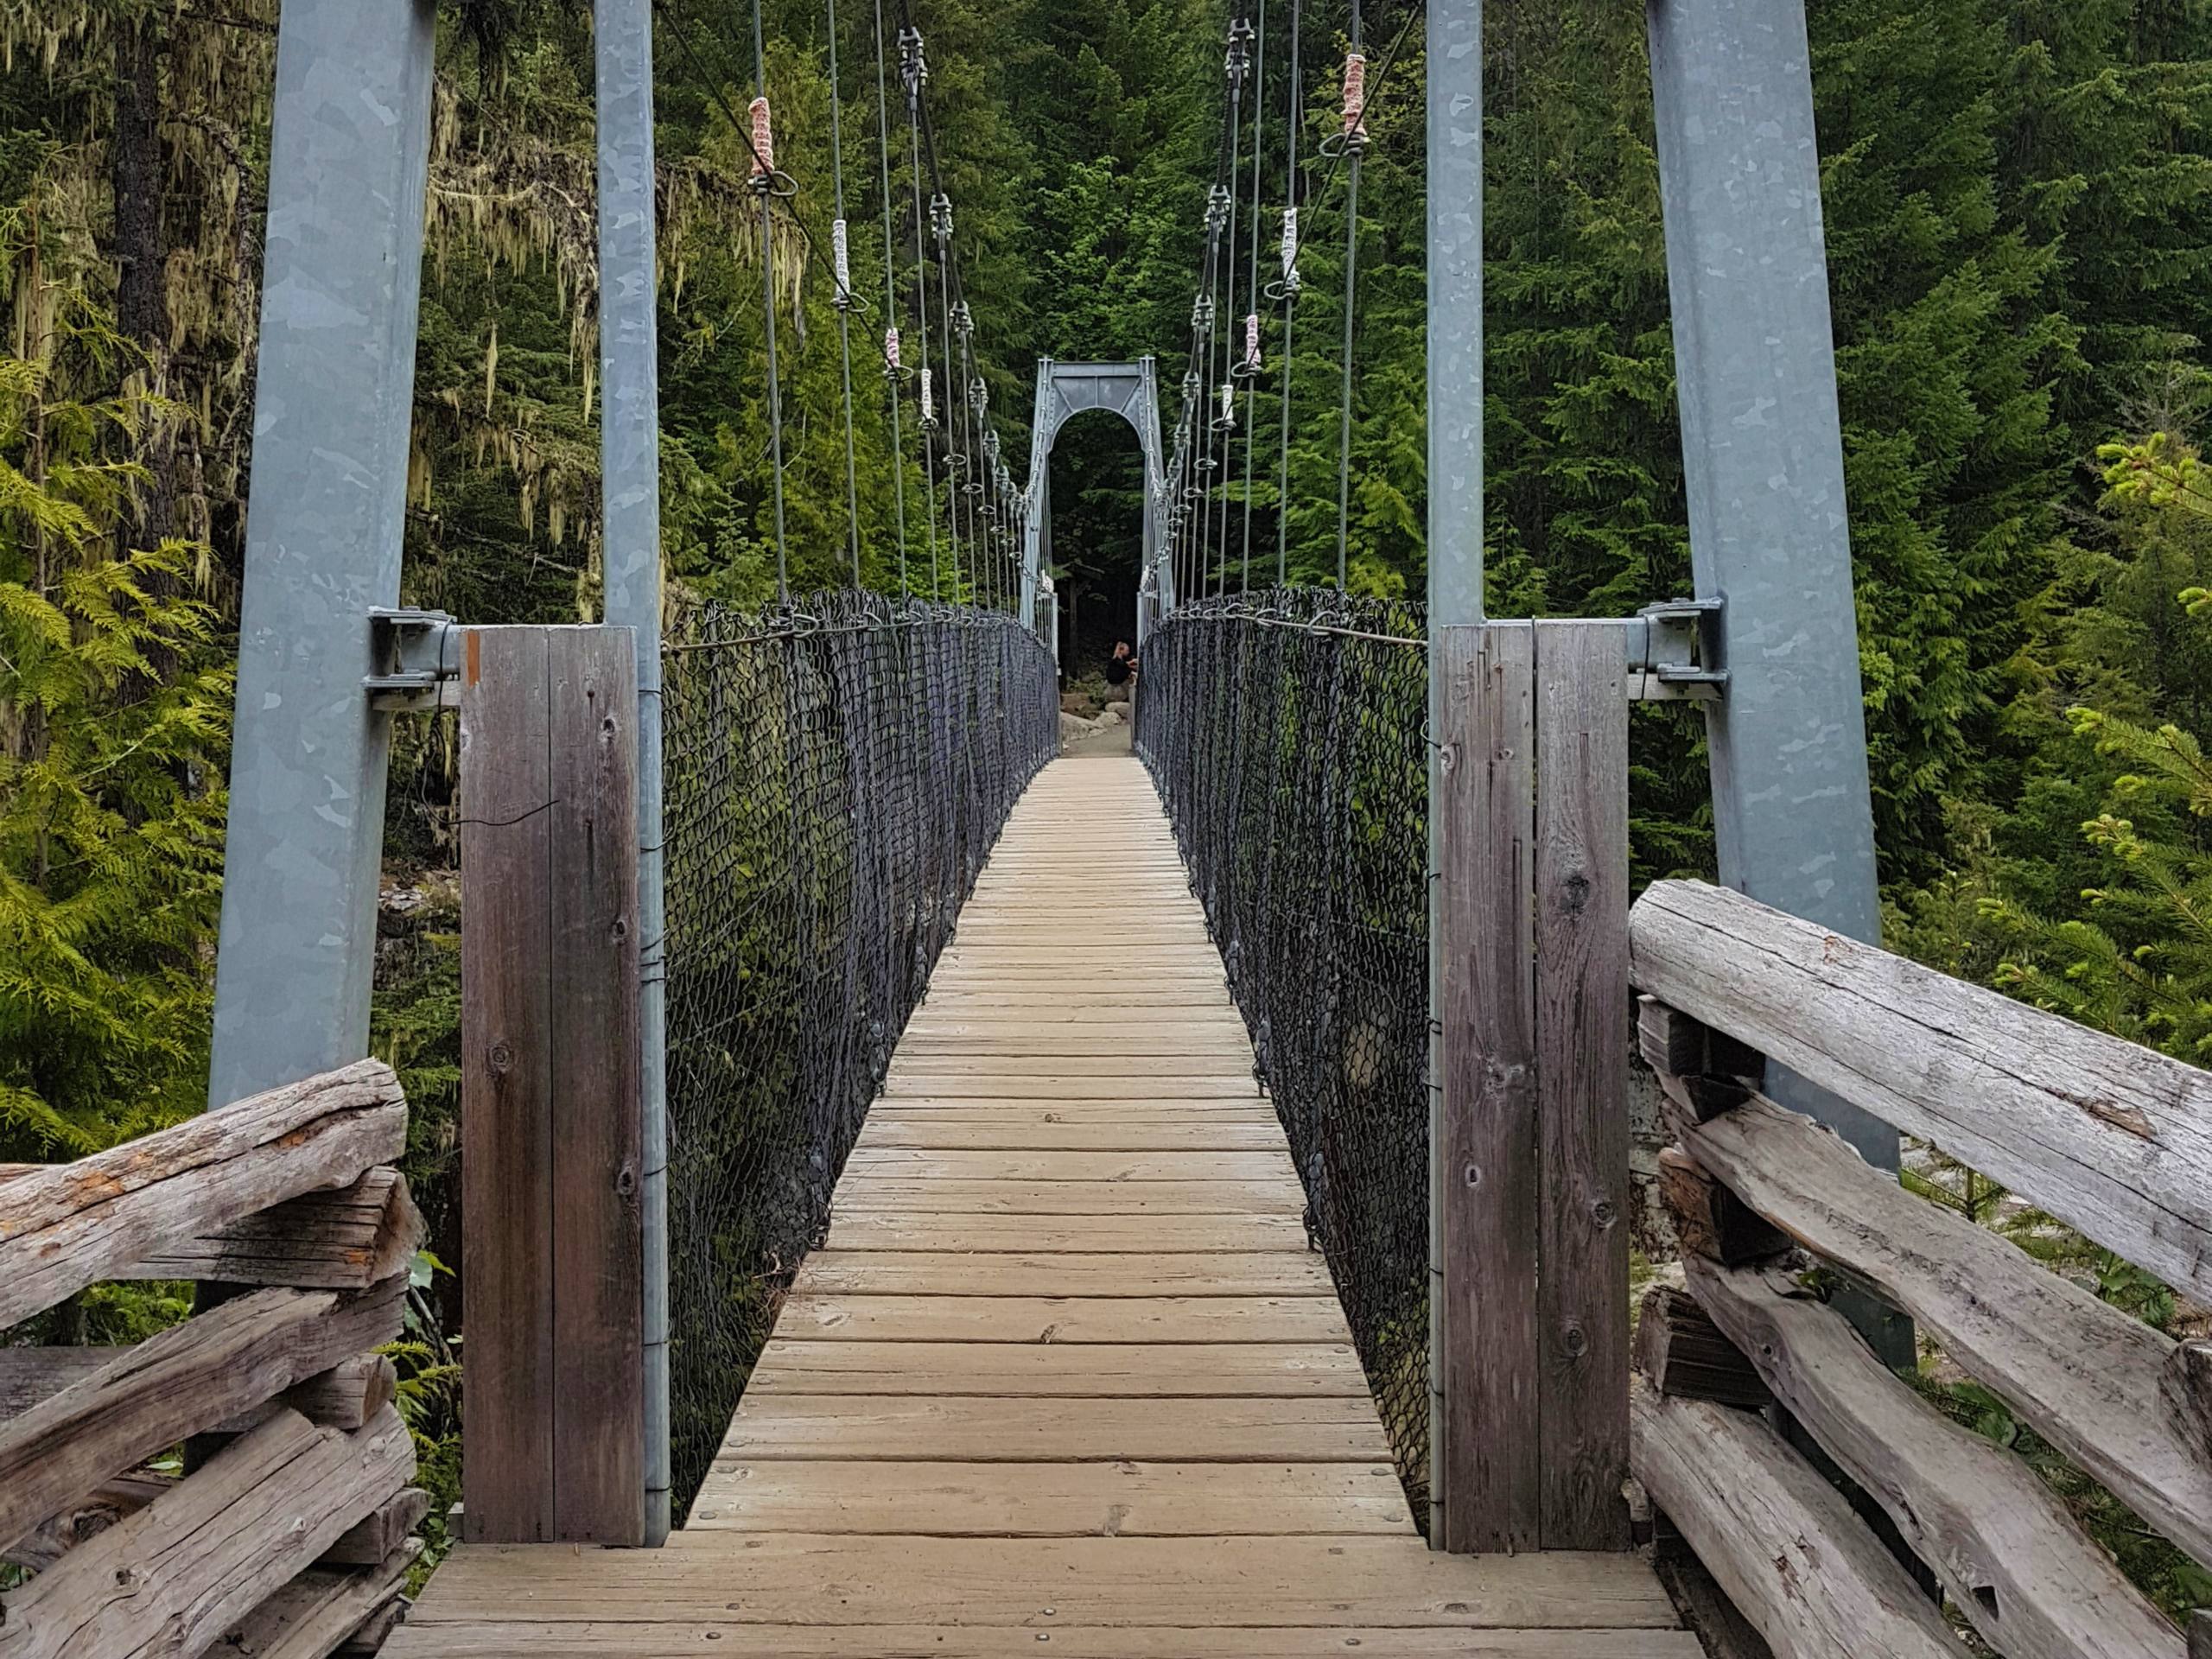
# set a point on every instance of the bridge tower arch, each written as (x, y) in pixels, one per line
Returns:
(1066, 390)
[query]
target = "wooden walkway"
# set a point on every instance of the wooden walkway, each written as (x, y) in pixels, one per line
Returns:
(1066, 1371)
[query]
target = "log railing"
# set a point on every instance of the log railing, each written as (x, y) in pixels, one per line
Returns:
(2111, 1139)
(289, 1537)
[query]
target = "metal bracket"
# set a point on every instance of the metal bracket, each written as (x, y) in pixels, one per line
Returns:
(418, 659)
(1670, 646)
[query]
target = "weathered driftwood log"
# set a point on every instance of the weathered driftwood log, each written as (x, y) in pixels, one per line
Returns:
(89, 1516)
(2010, 1556)
(175, 1576)
(1709, 1220)
(1681, 1352)
(2083, 1374)
(1781, 1542)
(345, 1396)
(2111, 1137)
(65, 1226)
(320, 1611)
(350, 1239)
(184, 1382)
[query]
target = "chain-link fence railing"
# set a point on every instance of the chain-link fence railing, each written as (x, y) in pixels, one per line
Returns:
(837, 772)
(1286, 733)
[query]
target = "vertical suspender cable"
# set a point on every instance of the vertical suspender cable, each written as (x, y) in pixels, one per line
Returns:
(1252, 287)
(763, 186)
(1290, 301)
(912, 68)
(841, 267)
(1240, 32)
(890, 300)
(1354, 141)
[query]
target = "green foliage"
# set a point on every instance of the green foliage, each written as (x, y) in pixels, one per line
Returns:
(114, 710)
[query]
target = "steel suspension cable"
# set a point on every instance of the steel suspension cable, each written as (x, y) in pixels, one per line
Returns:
(840, 255)
(1297, 98)
(912, 70)
(764, 176)
(1252, 286)
(1355, 141)
(890, 300)
(1238, 61)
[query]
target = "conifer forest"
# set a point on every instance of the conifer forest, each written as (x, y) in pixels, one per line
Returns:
(2018, 203)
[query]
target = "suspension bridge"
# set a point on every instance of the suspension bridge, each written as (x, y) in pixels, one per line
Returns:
(921, 1195)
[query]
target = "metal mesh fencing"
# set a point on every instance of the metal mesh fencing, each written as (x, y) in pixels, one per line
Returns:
(836, 773)
(1286, 732)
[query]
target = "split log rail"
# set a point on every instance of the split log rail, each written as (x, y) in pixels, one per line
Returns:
(2111, 1139)
(290, 1536)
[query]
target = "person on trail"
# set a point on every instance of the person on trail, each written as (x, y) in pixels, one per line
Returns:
(1121, 666)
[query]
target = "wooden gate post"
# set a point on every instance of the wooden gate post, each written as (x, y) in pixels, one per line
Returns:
(1531, 1300)
(552, 1238)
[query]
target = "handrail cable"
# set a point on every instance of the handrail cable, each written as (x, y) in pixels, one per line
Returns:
(890, 302)
(764, 185)
(1252, 284)
(840, 258)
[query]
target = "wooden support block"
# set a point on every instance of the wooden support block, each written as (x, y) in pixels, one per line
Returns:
(2008, 1554)
(1674, 1044)
(2185, 1386)
(1709, 1220)
(1782, 1543)
(183, 1382)
(383, 1530)
(223, 1541)
(1681, 1353)
(64, 1226)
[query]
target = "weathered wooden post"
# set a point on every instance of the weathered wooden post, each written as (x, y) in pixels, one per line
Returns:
(552, 1148)
(1531, 917)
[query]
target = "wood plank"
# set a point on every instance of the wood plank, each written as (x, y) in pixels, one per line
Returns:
(955, 1583)
(2110, 1137)
(1053, 1500)
(598, 1238)
(974, 1060)
(175, 1576)
(1064, 1318)
(1582, 1010)
(1142, 1233)
(961, 1134)
(917, 1273)
(177, 1383)
(2080, 1371)
(893, 1163)
(964, 1428)
(872, 1194)
(506, 1085)
(1058, 1370)
(546, 1639)
(1487, 1478)
(1783, 1542)
(2008, 1553)
(65, 1226)
(1160, 1079)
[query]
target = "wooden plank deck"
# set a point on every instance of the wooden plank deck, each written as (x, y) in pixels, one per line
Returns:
(1065, 1371)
